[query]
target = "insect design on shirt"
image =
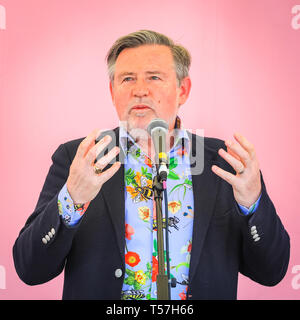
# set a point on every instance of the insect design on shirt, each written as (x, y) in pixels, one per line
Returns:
(145, 192)
(185, 279)
(172, 222)
(133, 294)
(141, 191)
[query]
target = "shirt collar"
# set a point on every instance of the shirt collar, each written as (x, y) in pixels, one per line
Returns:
(181, 138)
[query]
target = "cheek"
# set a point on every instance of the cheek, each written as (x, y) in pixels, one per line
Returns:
(120, 102)
(168, 96)
(168, 104)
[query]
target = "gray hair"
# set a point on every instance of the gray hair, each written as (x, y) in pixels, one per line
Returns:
(181, 56)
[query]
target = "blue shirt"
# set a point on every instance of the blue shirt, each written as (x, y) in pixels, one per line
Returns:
(141, 261)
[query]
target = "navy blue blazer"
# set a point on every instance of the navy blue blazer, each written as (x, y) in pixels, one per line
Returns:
(92, 254)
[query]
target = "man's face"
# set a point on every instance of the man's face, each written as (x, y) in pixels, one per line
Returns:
(145, 86)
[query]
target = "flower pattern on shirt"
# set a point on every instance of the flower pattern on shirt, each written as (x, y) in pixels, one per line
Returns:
(141, 255)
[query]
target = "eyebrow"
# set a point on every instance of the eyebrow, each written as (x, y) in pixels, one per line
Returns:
(121, 75)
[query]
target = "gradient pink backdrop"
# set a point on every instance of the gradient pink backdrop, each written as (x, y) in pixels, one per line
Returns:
(53, 87)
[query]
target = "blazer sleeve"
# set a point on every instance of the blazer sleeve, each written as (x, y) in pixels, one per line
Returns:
(266, 255)
(43, 244)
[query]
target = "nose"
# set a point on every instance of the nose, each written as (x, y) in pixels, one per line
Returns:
(140, 89)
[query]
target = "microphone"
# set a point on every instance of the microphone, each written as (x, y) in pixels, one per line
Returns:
(158, 129)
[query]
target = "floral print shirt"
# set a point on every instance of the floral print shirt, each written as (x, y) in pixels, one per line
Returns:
(141, 256)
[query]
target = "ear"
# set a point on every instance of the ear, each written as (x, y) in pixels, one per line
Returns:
(184, 90)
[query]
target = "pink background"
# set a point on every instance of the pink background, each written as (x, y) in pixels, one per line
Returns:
(53, 87)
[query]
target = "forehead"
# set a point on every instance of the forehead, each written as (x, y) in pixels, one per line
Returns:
(145, 57)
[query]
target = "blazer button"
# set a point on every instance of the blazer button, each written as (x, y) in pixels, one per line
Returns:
(118, 273)
(254, 232)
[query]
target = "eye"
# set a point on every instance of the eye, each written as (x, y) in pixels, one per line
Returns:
(154, 78)
(127, 79)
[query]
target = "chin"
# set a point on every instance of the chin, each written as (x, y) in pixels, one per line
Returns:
(140, 122)
(137, 127)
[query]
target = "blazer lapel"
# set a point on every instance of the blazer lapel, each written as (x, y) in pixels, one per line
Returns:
(113, 193)
(205, 191)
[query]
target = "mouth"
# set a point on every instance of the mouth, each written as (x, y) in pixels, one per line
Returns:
(140, 107)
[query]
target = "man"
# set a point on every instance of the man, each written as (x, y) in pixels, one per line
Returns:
(95, 217)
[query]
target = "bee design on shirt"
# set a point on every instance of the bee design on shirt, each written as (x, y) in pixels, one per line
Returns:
(142, 191)
(133, 294)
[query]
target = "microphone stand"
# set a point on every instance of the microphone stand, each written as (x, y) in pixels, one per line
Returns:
(157, 129)
(162, 279)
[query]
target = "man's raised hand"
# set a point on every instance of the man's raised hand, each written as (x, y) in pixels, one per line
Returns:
(83, 183)
(246, 183)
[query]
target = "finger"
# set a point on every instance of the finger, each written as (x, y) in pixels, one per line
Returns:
(236, 164)
(239, 151)
(105, 160)
(246, 144)
(227, 176)
(107, 174)
(233, 154)
(97, 148)
(87, 143)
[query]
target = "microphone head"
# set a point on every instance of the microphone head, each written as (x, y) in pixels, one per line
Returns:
(157, 124)
(157, 130)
